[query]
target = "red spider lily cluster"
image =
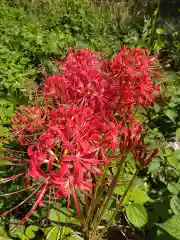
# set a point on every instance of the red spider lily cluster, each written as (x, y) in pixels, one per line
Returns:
(82, 113)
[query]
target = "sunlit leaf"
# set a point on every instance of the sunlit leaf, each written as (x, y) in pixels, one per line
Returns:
(172, 226)
(137, 214)
(31, 231)
(154, 165)
(175, 205)
(178, 133)
(159, 30)
(137, 195)
(171, 114)
(173, 188)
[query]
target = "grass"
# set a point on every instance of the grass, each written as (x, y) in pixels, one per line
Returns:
(35, 33)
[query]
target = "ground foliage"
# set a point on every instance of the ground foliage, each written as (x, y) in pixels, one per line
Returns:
(35, 35)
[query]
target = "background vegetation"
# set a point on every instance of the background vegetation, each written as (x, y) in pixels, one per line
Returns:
(36, 34)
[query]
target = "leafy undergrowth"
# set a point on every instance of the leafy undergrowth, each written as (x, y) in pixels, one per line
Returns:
(35, 36)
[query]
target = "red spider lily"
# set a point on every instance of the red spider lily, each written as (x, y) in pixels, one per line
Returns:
(28, 122)
(132, 76)
(86, 110)
(143, 157)
(130, 137)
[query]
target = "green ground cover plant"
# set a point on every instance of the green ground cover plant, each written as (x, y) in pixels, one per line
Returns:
(35, 37)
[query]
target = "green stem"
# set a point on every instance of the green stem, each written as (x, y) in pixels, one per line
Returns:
(100, 212)
(94, 200)
(118, 206)
(174, 168)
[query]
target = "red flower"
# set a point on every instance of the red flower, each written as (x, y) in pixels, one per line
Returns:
(85, 112)
(132, 74)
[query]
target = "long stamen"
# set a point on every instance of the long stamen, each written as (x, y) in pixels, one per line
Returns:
(49, 203)
(76, 201)
(56, 205)
(12, 150)
(21, 203)
(18, 191)
(11, 164)
(5, 180)
(41, 195)
(13, 159)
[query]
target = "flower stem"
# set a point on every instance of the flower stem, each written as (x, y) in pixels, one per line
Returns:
(118, 207)
(100, 212)
(95, 199)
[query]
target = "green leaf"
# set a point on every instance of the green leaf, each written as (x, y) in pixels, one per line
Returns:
(3, 131)
(154, 165)
(9, 112)
(53, 233)
(56, 216)
(157, 108)
(4, 101)
(30, 231)
(72, 238)
(46, 230)
(159, 31)
(171, 114)
(137, 195)
(173, 188)
(3, 235)
(178, 133)
(107, 214)
(119, 190)
(175, 205)
(139, 182)
(168, 151)
(130, 164)
(22, 237)
(140, 117)
(137, 215)
(172, 160)
(172, 226)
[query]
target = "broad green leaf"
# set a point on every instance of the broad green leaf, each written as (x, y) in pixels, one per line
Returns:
(176, 154)
(130, 165)
(57, 216)
(139, 182)
(119, 190)
(65, 231)
(172, 226)
(72, 238)
(31, 231)
(61, 216)
(107, 214)
(3, 235)
(140, 118)
(9, 112)
(173, 188)
(137, 214)
(22, 237)
(137, 195)
(6, 238)
(4, 101)
(175, 205)
(154, 165)
(53, 233)
(172, 160)
(46, 230)
(171, 114)
(168, 151)
(157, 108)
(159, 31)
(178, 133)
